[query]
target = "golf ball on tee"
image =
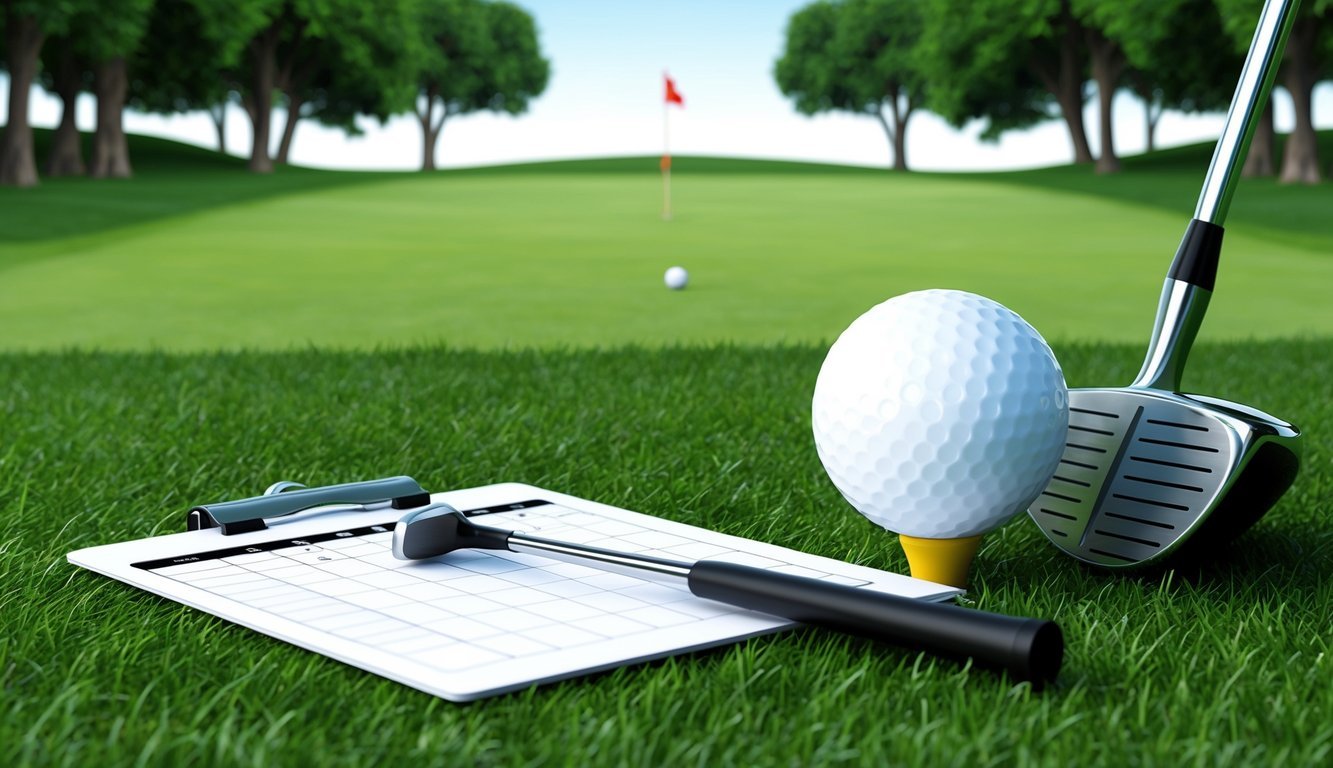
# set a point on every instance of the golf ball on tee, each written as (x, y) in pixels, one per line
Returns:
(940, 414)
(676, 278)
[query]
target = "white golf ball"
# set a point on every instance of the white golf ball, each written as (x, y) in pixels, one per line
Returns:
(940, 414)
(676, 278)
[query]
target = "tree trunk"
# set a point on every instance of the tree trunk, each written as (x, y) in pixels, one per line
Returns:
(294, 102)
(1259, 160)
(1152, 109)
(23, 45)
(893, 132)
(66, 156)
(432, 137)
(1300, 160)
(900, 119)
(1154, 112)
(430, 129)
(260, 104)
(897, 132)
(1063, 77)
(293, 80)
(218, 113)
(1107, 65)
(111, 153)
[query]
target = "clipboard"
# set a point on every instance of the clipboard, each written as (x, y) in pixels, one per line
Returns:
(470, 624)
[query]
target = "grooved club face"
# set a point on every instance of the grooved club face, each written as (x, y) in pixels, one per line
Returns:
(1144, 471)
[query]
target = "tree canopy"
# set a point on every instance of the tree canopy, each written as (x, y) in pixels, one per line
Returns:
(179, 67)
(978, 68)
(1181, 66)
(856, 56)
(476, 55)
(1006, 63)
(1010, 63)
(334, 61)
(262, 40)
(362, 66)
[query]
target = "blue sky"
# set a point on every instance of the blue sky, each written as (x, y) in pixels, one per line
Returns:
(603, 52)
(605, 98)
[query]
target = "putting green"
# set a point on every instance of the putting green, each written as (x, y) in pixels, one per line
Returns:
(552, 260)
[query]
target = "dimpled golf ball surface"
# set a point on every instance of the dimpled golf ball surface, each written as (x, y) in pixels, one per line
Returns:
(940, 414)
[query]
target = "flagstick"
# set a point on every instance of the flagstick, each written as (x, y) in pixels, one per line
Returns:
(666, 194)
(666, 160)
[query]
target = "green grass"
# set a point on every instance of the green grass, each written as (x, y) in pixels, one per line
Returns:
(1170, 179)
(498, 324)
(171, 179)
(1228, 666)
(196, 255)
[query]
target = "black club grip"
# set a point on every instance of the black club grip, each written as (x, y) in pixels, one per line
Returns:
(1028, 649)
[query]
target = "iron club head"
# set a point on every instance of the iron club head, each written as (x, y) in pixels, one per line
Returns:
(1148, 475)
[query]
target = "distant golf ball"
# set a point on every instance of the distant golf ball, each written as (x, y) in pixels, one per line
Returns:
(676, 278)
(940, 414)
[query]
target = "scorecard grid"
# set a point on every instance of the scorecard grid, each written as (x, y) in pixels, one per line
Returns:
(472, 623)
(472, 608)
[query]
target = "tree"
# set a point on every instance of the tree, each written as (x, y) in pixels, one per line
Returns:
(807, 71)
(338, 99)
(1239, 18)
(92, 54)
(247, 36)
(308, 60)
(363, 67)
(27, 23)
(1308, 60)
(108, 35)
(979, 69)
(271, 44)
(1100, 20)
(1006, 61)
(856, 56)
(178, 67)
(475, 56)
(1117, 30)
(1055, 41)
(64, 75)
(1180, 65)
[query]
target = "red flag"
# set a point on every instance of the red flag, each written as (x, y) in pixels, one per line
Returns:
(672, 95)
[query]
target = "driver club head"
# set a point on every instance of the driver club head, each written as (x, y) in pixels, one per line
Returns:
(1149, 475)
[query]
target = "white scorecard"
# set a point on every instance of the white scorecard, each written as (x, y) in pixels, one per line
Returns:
(469, 624)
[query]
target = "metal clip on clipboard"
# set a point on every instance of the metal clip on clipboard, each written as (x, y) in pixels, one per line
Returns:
(245, 515)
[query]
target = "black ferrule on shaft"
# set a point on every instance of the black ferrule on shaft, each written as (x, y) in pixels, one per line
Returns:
(479, 537)
(1196, 259)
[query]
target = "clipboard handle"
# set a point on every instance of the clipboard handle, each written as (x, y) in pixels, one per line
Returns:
(245, 515)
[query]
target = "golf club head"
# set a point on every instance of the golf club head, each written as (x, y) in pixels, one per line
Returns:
(439, 529)
(1149, 475)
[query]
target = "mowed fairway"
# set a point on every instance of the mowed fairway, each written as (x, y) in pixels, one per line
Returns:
(554, 259)
(234, 330)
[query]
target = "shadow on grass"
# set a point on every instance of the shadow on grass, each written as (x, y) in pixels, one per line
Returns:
(1268, 560)
(170, 179)
(1261, 564)
(1170, 180)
